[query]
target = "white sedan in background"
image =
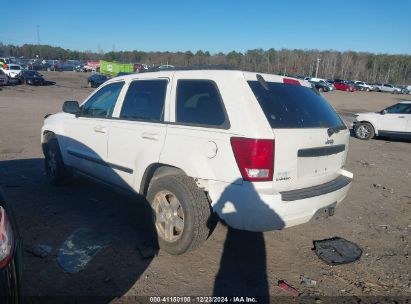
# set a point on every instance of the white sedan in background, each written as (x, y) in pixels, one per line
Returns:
(394, 121)
(12, 70)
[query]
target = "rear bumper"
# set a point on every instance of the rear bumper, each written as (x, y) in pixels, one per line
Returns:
(242, 207)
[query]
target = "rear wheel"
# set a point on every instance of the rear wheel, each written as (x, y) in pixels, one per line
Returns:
(56, 171)
(182, 213)
(364, 131)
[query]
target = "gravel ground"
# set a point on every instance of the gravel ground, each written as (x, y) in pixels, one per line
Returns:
(376, 215)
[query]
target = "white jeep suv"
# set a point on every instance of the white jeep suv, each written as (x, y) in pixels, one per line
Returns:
(264, 152)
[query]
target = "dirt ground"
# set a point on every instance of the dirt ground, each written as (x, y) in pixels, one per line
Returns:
(376, 215)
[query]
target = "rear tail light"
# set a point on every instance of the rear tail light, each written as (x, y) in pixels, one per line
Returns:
(255, 158)
(6, 239)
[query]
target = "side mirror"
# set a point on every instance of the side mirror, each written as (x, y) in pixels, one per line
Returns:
(383, 112)
(71, 107)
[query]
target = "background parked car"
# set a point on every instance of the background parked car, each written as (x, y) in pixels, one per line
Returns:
(394, 121)
(3, 78)
(365, 86)
(404, 89)
(12, 70)
(355, 85)
(386, 87)
(32, 77)
(139, 67)
(10, 255)
(343, 86)
(321, 86)
(96, 80)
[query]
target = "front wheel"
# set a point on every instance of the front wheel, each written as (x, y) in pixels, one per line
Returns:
(56, 170)
(182, 213)
(364, 131)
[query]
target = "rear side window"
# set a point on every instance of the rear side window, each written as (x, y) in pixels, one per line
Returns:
(198, 102)
(293, 106)
(145, 100)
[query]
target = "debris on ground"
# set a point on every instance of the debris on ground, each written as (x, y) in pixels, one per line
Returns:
(337, 251)
(80, 248)
(288, 288)
(40, 250)
(391, 190)
(307, 281)
(384, 226)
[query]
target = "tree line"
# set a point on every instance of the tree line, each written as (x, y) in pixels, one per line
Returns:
(332, 64)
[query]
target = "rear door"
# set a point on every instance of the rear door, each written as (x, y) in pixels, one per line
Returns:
(310, 138)
(137, 135)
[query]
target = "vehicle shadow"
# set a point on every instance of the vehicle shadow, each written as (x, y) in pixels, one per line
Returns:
(243, 266)
(49, 83)
(392, 139)
(48, 215)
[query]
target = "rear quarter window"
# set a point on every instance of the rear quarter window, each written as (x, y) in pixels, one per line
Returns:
(199, 102)
(294, 106)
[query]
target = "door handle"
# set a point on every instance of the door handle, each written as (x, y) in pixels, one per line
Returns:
(152, 136)
(100, 129)
(401, 116)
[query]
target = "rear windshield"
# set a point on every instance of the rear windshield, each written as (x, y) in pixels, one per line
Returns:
(294, 106)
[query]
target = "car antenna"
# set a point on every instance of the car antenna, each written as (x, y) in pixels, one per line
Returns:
(262, 81)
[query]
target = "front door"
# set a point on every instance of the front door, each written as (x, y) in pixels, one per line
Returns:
(86, 134)
(393, 121)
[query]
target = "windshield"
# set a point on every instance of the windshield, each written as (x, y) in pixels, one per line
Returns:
(294, 106)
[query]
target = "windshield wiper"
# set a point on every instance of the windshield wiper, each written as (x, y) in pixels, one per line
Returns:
(331, 131)
(263, 83)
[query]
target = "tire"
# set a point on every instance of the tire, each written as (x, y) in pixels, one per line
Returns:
(368, 89)
(187, 222)
(57, 173)
(364, 131)
(89, 84)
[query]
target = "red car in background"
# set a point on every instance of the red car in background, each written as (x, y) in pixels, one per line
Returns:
(343, 86)
(139, 67)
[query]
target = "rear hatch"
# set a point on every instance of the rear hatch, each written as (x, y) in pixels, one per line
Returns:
(310, 138)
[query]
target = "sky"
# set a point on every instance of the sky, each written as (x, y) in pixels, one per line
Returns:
(211, 25)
